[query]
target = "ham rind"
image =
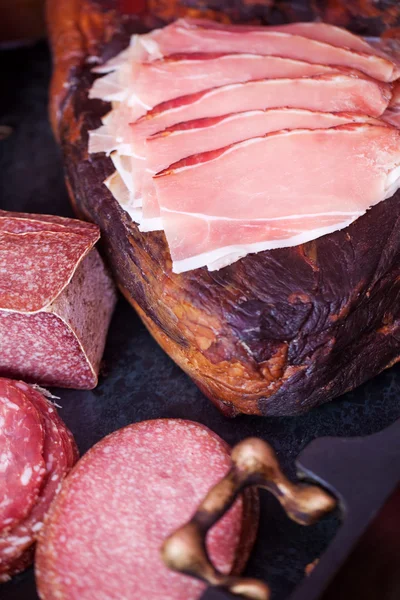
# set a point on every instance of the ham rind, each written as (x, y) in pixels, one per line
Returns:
(202, 135)
(56, 300)
(22, 466)
(338, 172)
(124, 497)
(59, 455)
(149, 84)
(188, 35)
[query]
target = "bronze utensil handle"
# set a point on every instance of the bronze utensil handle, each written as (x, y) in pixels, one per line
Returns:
(254, 463)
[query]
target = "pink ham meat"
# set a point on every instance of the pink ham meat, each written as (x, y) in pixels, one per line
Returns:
(202, 135)
(124, 497)
(22, 467)
(278, 190)
(56, 300)
(341, 92)
(324, 32)
(327, 93)
(58, 455)
(149, 84)
(392, 113)
(186, 35)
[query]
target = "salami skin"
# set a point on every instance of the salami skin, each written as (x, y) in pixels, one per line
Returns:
(56, 300)
(57, 453)
(103, 533)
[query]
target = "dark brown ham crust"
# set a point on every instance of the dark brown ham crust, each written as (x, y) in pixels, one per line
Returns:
(275, 333)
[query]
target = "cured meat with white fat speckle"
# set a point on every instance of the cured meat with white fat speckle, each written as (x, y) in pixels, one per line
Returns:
(103, 534)
(22, 466)
(56, 300)
(57, 453)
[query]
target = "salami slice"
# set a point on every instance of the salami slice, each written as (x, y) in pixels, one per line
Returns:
(59, 455)
(56, 300)
(103, 534)
(22, 466)
(38, 398)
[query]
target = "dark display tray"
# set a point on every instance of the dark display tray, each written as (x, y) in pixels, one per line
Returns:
(138, 380)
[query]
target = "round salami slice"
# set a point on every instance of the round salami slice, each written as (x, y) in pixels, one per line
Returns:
(103, 534)
(45, 407)
(22, 467)
(14, 545)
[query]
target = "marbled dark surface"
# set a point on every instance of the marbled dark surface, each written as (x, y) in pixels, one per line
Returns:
(139, 381)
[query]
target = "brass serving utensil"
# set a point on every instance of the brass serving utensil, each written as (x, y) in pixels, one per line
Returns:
(254, 464)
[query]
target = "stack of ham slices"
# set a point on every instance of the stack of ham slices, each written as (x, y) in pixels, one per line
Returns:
(36, 452)
(238, 139)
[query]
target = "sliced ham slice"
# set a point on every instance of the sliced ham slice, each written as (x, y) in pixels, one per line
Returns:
(324, 32)
(144, 85)
(328, 93)
(202, 135)
(278, 190)
(116, 62)
(113, 134)
(331, 93)
(121, 193)
(392, 113)
(186, 35)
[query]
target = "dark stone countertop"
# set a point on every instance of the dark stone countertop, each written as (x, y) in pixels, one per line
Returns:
(138, 380)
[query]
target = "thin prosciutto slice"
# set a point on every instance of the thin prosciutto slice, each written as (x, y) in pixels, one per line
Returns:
(121, 193)
(327, 93)
(144, 85)
(278, 190)
(186, 35)
(324, 32)
(202, 135)
(392, 113)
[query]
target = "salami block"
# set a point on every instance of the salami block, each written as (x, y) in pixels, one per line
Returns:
(103, 534)
(56, 300)
(58, 453)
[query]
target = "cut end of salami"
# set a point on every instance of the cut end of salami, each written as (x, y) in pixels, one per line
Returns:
(36, 452)
(128, 493)
(56, 300)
